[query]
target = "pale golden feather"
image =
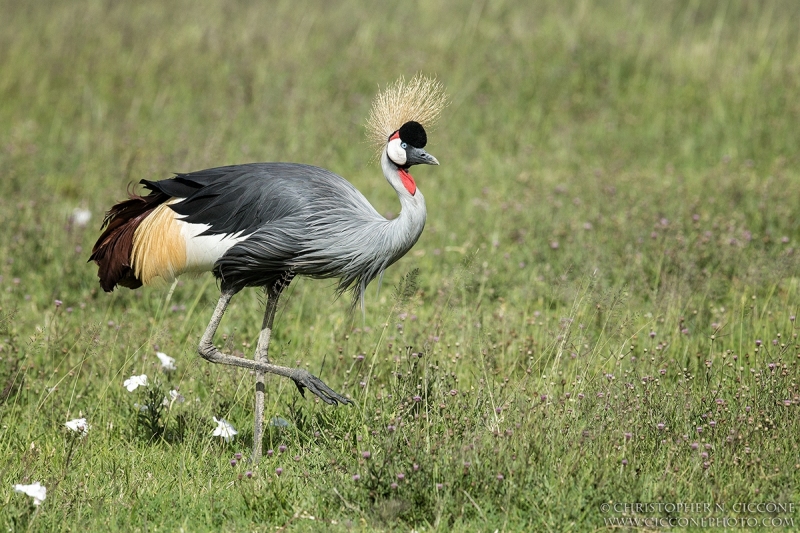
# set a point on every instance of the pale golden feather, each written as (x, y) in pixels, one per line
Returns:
(159, 249)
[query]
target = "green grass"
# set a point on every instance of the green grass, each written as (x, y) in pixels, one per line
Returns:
(612, 232)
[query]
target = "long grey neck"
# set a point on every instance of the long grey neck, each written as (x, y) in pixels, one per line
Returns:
(408, 225)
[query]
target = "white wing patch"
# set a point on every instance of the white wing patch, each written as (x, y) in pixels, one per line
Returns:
(202, 251)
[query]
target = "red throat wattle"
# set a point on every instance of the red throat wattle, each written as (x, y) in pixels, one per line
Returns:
(408, 181)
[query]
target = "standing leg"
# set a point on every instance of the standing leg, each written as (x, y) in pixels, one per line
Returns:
(262, 356)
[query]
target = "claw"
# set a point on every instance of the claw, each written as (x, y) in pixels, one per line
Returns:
(319, 388)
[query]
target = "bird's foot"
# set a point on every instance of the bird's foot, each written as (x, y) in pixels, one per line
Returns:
(306, 380)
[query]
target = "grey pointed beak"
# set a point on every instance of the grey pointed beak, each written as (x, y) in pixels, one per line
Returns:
(418, 156)
(430, 159)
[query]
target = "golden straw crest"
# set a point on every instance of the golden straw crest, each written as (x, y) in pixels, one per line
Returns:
(421, 99)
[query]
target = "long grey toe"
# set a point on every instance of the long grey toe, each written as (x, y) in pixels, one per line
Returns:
(311, 382)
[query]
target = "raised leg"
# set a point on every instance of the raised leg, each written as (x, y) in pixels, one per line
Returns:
(301, 377)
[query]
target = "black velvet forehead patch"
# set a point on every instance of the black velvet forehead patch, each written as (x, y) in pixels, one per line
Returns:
(414, 134)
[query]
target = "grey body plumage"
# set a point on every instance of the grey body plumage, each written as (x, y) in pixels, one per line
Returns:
(297, 219)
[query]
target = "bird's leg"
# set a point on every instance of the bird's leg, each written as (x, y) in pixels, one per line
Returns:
(262, 356)
(301, 377)
(207, 341)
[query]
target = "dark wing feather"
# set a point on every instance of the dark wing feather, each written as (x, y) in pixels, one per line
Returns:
(238, 198)
(112, 251)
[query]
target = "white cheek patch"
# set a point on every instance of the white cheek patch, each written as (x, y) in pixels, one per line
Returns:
(395, 152)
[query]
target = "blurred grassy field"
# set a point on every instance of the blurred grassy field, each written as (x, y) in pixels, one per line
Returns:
(607, 285)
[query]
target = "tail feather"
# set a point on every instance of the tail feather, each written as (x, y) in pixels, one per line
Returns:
(112, 251)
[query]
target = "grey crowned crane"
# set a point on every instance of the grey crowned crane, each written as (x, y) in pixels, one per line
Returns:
(262, 224)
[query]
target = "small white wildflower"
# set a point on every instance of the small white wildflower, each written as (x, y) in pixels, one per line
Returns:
(141, 408)
(78, 425)
(224, 429)
(167, 362)
(174, 396)
(80, 217)
(134, 382)
(36, 491)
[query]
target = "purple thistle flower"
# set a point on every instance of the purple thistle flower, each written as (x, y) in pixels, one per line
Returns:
(401, 476)
(58, 303)
(694, 445)
(393, 486)
(248, 474)
(417, 399)
(439, 486)
(390, 428)
(652, 334)
(758, 342)
(581, 396)
(366, 455)
(278, 471)
(356, 477)
(699, 429)
(269, 453)
(415, 467)
(233, 462)
(624, 462)
(281, 448)
(660, 426)
(500, 477)
(628, 436)
(237, 456)
(453, 392)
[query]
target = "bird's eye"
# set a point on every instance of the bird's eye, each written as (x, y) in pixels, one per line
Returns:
(403, 146)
